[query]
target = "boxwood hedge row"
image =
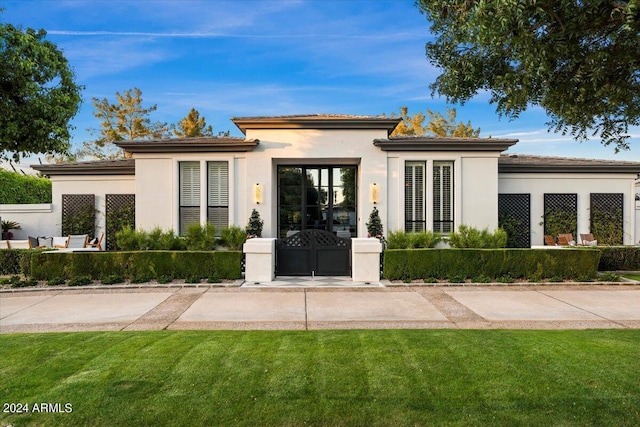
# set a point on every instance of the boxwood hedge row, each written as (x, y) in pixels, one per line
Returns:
(16, 261)
(137, 264)
(410, 264)
(620, 258)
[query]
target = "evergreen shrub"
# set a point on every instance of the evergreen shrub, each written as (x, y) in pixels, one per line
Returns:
(411, 264)
(137, 264)
(400, 239)
(470, 237)
(233, 238)
(619, 258)
(16, 261)
(16, 189)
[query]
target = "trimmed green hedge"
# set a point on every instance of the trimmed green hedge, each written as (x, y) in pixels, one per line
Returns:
(138, 264)
(619, 258)
(535, 264)
(16, 261)
(16, 188)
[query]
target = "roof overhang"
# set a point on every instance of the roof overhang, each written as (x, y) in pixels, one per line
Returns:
(316, 122)
(189, 145)
(100, 167)
(576, 168)
(444, 144)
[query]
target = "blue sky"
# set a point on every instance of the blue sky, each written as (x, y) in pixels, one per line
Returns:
(254, 58)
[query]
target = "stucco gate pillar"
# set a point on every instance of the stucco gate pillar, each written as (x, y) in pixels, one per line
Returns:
(260, 259)
(365, 259)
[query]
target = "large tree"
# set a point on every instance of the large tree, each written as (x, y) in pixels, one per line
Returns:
(438, 125)
(38, 94)
(578, 60)
(126, 119)
(192, 126)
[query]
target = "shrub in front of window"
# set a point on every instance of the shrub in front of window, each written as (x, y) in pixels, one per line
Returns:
(401, 240)
(233, 238)
(201, 238)
(470, 237)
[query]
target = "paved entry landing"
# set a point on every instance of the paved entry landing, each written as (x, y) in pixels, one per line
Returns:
(311, 282)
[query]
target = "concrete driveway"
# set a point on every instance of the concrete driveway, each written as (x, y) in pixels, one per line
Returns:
(471, 307)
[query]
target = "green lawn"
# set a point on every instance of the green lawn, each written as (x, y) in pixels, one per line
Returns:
(359, 378)
(632, 276)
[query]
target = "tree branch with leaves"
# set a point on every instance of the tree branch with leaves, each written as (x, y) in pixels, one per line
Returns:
(577, 60)
(38, 94)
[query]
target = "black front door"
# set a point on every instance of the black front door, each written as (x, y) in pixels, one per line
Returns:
(317, 198)
(313, 252)
(316, 219)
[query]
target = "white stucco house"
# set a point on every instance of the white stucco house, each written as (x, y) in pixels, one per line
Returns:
(328, 172)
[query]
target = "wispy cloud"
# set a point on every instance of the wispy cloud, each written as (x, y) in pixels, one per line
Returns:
(261, 36)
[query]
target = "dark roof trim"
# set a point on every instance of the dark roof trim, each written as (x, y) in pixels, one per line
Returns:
(542, 164)
(189, 145)
(443, 144)
(100, 167)
(317, 122)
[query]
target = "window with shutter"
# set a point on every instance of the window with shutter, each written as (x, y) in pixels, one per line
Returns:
(218, 194)
(443, 197)
(414, 189)
(189, 194)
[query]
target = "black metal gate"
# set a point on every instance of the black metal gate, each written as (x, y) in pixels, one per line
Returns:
(316, 252)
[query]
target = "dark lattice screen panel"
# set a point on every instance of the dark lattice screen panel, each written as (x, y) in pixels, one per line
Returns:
(514, 216)
(560, 214)
(120, 212)
(607, 219)
(78, 214)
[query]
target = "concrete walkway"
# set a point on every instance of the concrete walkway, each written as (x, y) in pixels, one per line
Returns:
(469, 307)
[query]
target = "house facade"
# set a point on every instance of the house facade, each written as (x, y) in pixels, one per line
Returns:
(328, 172)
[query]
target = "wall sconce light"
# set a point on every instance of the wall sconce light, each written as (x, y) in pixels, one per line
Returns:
(374, 193)
(257, 195)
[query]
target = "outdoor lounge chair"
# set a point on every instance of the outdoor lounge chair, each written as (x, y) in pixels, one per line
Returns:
(95, 243)
(566, 240)
(60, 242)
(549, 240)
(588, 240)
(77, 241)
(18, 244)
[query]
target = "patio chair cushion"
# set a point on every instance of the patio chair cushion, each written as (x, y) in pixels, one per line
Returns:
(45, 242)
(77, 241)
(33, 241)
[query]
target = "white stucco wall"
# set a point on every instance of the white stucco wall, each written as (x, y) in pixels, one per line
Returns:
(34, 219)
(157, 188)
(582, 185)
(475, 178)
(479, 199)
(636, 239)
(475, 183)
(98, 185)
(315, 147)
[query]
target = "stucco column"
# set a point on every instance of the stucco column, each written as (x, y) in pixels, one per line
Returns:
(260, 261)
(365, 259)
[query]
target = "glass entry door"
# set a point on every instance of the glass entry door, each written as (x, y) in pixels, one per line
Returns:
(317, 197)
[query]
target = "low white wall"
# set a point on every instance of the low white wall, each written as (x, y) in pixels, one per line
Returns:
(35, 219)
